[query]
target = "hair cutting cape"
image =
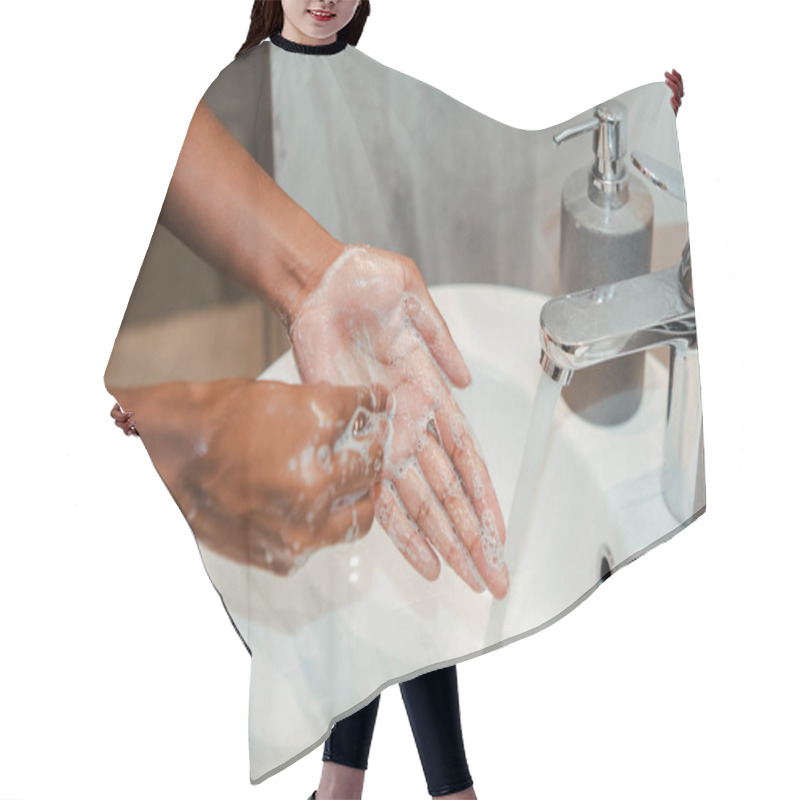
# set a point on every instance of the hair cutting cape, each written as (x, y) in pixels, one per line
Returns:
(379, 158)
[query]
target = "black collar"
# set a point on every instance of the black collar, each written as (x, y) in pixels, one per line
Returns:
(308, 49)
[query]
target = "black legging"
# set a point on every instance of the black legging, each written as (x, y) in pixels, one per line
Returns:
(432, 707)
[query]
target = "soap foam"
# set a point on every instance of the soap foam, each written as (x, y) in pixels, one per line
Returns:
(352, 531)
(307, 464)
(348, 500)
(490, 542)
(324, 458)
(384, 345)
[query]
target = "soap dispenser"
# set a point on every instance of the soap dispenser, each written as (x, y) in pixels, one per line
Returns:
(606, 236)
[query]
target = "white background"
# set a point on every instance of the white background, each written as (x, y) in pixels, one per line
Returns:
(120, 675)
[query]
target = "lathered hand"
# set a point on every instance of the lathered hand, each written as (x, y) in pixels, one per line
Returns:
(371, 318)
(285, 470)
(264, 472)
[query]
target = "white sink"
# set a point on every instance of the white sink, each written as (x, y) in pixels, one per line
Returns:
(356, 617)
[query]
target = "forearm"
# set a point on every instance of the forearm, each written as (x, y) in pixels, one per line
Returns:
(223, 205)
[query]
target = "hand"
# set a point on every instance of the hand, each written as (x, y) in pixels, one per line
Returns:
(280, 471)
(371, 318)
(675, 82)
(124, 420)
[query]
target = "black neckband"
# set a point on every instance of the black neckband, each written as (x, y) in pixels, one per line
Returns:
(308, 49)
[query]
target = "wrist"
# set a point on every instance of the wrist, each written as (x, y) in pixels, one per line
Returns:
(300, 270)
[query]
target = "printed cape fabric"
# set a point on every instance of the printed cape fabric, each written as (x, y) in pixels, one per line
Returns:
(385, 160)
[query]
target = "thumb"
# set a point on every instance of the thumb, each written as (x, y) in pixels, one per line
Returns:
(359, 450)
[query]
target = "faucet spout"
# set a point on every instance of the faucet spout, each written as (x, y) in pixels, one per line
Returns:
(585, 328)
(590, 327)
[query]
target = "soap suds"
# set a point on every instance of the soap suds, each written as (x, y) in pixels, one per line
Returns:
(383, 343)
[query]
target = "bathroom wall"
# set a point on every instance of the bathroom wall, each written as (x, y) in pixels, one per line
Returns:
(185, 320)
(409, 168)
(364, 149)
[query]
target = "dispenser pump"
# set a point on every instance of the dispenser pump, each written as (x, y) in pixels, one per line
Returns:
(608, 180)
(606, 237)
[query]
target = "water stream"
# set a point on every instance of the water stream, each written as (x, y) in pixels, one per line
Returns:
(523, 505)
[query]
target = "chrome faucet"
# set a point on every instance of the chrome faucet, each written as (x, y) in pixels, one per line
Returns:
(607, 322)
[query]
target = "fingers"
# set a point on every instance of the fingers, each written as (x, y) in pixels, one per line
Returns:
(282, 547)
(425, 316)
(124, 420)
(459, 444)
(358, 463)
(677, 92)
(450, 498)
(357, 453)
(119, 415)
(405, 535)
(675, 82)
(675, 77)
(476, 526)
(430, 518)
(374, 398)
(346, 524)
(354, 407)
(476, 488)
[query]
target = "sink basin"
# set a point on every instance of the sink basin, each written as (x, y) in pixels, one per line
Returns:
(356, 617)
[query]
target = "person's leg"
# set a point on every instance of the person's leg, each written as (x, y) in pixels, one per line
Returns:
(345, 755)
(433, 711)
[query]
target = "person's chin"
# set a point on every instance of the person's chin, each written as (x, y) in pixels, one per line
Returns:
(319, 38)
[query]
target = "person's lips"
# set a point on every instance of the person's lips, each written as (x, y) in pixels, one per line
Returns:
(322, 16)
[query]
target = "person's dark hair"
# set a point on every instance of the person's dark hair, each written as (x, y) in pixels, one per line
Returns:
(266, 19)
